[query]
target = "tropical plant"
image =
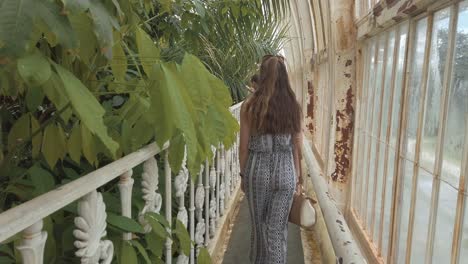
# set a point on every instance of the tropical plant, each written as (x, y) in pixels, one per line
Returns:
(230, 37)
(85, 82)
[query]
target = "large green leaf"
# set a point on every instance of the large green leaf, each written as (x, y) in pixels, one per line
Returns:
(128, 254)
(88, 145)
(124, 223)
(141, 250)
(204, 256)
(20, 132)
(76, 5)
(42, 180)
(147, 50)
(36, 137)
(74, 143)
(16, 22)
(119, 61)
(157, 227)
(34, 68)
(103, 26)
(83, 27)
(173, 109)
(15, 26)
(53, 144)
(58, 24)
(86, 107)
(53, 89)
(183, 237)
(155, 244)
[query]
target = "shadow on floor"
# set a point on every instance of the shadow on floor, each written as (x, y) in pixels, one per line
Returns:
(237, 251)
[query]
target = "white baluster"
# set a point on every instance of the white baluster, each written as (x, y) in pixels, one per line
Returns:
(199, 201)
(91, 228)
(168, 208)
(227, 172)
(125, 187)
(213, 200)
(33, 243)
(192, 220)
(218, 180)
(207, 203)
(180, 184)
(222, 186)
(149, 183)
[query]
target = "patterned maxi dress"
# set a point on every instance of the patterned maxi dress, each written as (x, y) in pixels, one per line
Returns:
(269, 186)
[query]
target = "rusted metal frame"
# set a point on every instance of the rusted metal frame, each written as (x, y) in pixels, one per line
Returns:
(351, 194)
(367, 246)
(363, 120)
(316, 10)
(441, 135)
(330, 41)
(314, 27)
(461, 201)
(368, 141)
(379, 130)
(325, 40)
(424, 84)
(400, 143)
(387, 139)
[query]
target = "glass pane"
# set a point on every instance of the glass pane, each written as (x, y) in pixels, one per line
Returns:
(399, 74)
(378, 86)
(359, 172)
(421, 216)
(387, 86)
(464, 236)
(415, 88)
(458, 103)
(406, 186)
(436, 70)
(445, 223)
(378, 192)
(388, 201)
(371, 179)
(370, 96)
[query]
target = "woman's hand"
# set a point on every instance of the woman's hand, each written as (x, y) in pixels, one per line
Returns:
(299, 187)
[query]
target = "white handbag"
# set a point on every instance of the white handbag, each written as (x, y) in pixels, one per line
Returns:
(302, 211)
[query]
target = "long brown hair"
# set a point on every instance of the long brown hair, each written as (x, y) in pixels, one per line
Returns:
(273, 108)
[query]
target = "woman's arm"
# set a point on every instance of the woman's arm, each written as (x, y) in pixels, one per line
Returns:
(244, 138)
(297, 155)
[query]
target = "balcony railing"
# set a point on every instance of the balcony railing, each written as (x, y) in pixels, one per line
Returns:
(210, 199)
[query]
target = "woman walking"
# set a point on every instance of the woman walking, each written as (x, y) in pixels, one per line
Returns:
(270, 154)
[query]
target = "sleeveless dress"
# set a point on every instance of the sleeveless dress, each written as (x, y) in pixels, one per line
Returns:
(269, 185)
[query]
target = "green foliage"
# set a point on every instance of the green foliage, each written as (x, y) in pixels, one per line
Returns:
(83, 83)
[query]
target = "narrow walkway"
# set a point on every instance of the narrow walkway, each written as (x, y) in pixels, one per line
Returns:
(237, 251)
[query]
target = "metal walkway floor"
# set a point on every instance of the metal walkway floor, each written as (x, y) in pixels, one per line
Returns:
(237, 251)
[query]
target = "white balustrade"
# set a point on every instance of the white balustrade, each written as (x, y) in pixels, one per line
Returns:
(199, 202)
(149, 187)
(207, 202)
(91, 228)
(33, 244)
(208, 198)
(125, 187)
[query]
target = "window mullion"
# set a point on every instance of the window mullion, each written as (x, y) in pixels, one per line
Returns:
(461, 201)
(397, 173)
(369, 108)
(378, 132)
(396, 51)
(440, 137)
(419, 132)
